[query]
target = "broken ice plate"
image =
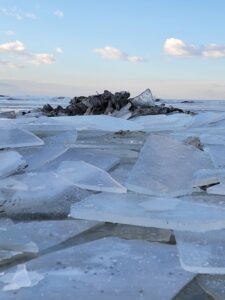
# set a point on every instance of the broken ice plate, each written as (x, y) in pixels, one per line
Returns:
(87, 176)
(11, 162)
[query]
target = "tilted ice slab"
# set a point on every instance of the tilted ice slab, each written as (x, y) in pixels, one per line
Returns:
(100, 122)
(214, 285)
(108, 268)
(42, 193)
(97, 158)
(54, 146)
(207, 176)
(165, 167)
(142, 210)
(218, 189)
(14, 138)
(87, 176)
(20, 279)
(202, 252)
(145, 99)
(217, 154)
(11, 162)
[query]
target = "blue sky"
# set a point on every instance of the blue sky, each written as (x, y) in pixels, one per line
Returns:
(176, 48)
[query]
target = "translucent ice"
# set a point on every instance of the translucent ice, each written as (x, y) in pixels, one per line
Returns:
(87, 176)
(142, 210)
(214, 285)
(108, 268)
(10, 162)
(145, 99)
(202, 252)
(217, 154)
(13, 138)
(54, 146)
(45, 193)
(166, 166)
(20, 279)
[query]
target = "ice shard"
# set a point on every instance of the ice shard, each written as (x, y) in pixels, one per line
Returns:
(145, 99)
(14, 138)
(10, 162)
(218, 189)
(87, 176)
(165, 167)
(142, 210)
(214, 285)
(208, 176)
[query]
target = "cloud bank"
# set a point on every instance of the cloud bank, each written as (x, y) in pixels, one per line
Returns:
(179, 48)
(111, 53)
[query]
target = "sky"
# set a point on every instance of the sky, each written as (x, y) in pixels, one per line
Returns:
(56, 47)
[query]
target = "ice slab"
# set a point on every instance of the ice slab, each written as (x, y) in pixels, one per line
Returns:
(142, 210)
(123, 113)
(208, 176)
(100, 122)
(165, 167)
(42, 193)
(54, 146)
(97, 158)
(218, 189)
(89, 177)
(217, 154)
(202, 252)
(205, 118)
(164, 122)
(43, 234)
(214, 285)
(108, 268)
(145, 99)
(121, 173)
(20, 279)
(11, 162)
(14, 138)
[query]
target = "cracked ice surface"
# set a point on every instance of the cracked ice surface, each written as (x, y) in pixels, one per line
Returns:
(11, 162)
(142, 210)
(108, 268)
(87, 176)
(165, 167)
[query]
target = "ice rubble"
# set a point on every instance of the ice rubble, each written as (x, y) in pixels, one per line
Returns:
(155, 164)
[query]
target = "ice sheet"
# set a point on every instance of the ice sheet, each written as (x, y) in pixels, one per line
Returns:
(165, 167)
(142, 210)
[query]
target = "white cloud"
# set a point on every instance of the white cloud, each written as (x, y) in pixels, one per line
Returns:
(58, 13)
(112, 53)
(17, 13)
(9, 33)
(177, 47)
(59, 50)
(19, 49)
(43, 58)
(15, 47)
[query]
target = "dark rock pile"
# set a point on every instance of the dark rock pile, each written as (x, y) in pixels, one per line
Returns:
(108, 103)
